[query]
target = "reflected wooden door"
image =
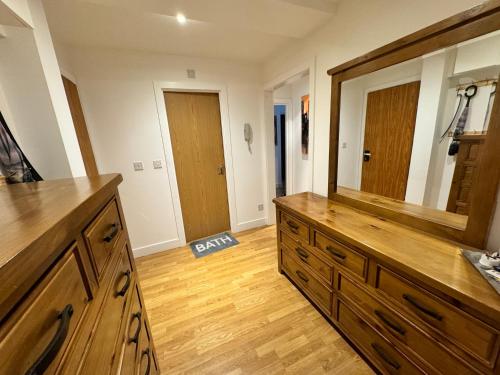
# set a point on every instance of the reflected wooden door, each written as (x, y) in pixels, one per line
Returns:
(389, 128)
(195, 131)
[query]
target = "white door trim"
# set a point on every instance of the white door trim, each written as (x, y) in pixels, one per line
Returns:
(164, 86)
(288, 146)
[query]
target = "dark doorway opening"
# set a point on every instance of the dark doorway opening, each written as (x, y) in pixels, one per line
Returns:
(280, 148)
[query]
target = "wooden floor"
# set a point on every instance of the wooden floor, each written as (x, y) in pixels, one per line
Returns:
(231, 312)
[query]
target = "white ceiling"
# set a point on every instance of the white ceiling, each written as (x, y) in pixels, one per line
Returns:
(246, 30)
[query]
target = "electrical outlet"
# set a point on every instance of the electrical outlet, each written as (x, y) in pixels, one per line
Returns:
(260, 207)
(138, 166)
(157, 164)
(191, 73)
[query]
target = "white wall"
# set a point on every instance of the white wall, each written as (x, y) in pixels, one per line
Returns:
(354, 31)
(25, 87)
(116, 89)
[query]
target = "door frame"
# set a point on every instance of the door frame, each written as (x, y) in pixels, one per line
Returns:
(309, 66)
(201, 87)
(288, 146)
(385, 85)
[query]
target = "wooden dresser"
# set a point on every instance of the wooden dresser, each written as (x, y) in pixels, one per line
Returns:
(70, 300)
(410, 302)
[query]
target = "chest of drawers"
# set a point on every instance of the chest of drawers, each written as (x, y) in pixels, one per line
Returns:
(70, 300)
(410, 302)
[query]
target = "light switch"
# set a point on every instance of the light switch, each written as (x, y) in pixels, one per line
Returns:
(138, 166)
(344, 144)
(157, 164)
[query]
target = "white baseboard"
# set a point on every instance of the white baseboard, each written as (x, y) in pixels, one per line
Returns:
(157, 247)
(250, 224)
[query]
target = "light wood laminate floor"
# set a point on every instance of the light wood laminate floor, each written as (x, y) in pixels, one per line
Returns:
(231, 312)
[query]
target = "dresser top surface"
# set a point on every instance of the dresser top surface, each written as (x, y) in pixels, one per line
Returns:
(418, 254)
(30, 210)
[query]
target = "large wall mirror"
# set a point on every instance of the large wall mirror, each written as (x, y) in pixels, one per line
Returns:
(413, 138)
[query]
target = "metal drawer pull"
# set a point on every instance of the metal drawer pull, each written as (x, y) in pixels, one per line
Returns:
(302, 254)
(302, 276)
(390, 324)
(48, 355)
(293, 225)
(336, 253)
(123, 290)
(112, 233)
(135, 338)
(391, 362)
(424, 309)
(148, 354)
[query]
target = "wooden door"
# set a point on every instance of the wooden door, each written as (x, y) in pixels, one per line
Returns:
(82, 134)
(465, 173)
(196, 135)
(389, 128)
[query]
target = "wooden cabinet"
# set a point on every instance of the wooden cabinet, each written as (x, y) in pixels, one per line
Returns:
(410, 302)
(78, 309)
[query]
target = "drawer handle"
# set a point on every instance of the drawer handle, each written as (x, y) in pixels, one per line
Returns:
(426, 310)
(386, 321)
(55, 344)
(135, 338)
(302, 276)
(123, 290)
(336, 253)
(391, 362)
(148, 354)
(112, 233)
(302, 254)
(293, 226)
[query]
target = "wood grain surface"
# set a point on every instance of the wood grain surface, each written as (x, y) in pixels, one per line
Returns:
(233, 313)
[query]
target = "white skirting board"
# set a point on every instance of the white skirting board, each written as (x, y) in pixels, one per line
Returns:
(175, 243)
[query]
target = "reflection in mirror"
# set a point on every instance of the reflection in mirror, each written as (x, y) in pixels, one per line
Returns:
(413, 132)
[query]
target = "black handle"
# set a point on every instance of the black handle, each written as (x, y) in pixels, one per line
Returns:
(336, 253)
(302, 276)
(426, 310)
(123, 290)
(112, 233)
(390, 324)
(48, 355)
(135, 338)
(148, 367)
(302, 254)
(391, 362)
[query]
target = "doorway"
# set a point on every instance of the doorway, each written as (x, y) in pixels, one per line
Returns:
(388, 139)
(280, 148)
(194, 122)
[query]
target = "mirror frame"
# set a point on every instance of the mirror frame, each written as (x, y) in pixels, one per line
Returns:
(470, 24)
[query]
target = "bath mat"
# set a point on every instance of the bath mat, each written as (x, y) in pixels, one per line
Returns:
(209, 245)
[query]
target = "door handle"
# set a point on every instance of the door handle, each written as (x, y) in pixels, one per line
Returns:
(221, 170)
(367, 155)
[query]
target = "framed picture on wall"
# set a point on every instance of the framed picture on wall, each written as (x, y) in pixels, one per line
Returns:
(305, 126)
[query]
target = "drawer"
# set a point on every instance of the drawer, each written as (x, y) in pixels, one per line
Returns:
(102, 236)
(147, 364)
(464, 330)
(313, 287)
(347, 257)
(40, 330)
(307, 257)
(383, 354)
(400, 330)
(295, 227)
(104, 352)
(131, 337)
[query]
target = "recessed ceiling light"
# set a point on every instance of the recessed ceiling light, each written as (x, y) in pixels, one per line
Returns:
(181, 18)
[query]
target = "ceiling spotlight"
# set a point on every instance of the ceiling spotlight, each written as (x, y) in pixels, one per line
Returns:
(181, 18)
